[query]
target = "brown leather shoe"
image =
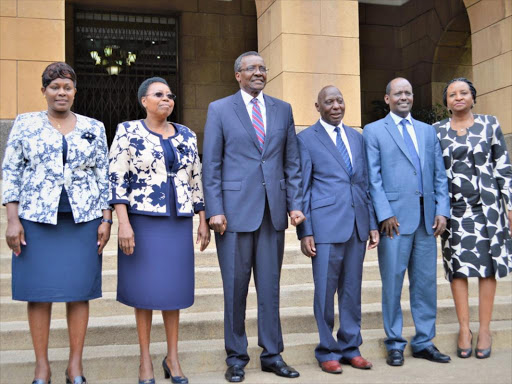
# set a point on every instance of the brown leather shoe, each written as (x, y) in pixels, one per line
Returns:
(331, 366)
(358, 362)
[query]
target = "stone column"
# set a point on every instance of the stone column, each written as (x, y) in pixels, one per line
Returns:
(308, 44)
(31, 37)
(491, 39)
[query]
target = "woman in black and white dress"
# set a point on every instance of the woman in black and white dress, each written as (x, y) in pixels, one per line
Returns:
(477, 242)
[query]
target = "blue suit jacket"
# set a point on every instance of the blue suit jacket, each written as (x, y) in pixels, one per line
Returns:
(238, 177)
(393, 185)
(333, 201)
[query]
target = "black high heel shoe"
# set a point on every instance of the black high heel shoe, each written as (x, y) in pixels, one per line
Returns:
(483, 353)
(76, 380)
(41, 381)
(174, 379)
(466, 352)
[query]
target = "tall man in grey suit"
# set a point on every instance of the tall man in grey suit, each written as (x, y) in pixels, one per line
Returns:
(409, 190)
(339, 221)
(251, 179)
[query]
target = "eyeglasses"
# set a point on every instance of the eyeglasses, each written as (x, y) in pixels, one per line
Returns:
(160, 95)
(253, 69)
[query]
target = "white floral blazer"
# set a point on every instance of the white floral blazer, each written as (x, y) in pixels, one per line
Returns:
(34, 173)
(139, 173)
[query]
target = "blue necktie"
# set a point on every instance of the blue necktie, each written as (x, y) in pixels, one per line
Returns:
(412, 152)
(343, 151)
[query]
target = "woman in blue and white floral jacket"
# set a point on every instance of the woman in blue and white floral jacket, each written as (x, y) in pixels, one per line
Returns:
(155, 178)
(55, 188)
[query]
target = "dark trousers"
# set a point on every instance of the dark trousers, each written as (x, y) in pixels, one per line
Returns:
(338, 268)
(262, 252)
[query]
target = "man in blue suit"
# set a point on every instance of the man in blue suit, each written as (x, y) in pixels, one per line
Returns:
(409, 190)
(339, 221)
(251, 180)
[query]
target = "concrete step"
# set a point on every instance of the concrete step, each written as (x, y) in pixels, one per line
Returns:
(210, 277)
(115, 330)
(211, 299)
(497, 370)
(114, 362)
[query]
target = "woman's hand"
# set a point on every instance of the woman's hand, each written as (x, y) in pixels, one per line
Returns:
(510, 221)
(126, 238)
(103, 236)
(15, 236)
(203, 232)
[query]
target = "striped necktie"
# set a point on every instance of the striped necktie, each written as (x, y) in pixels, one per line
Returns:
(343, 151)
(257, 122)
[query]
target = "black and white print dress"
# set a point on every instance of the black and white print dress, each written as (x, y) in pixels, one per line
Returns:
(477, 241)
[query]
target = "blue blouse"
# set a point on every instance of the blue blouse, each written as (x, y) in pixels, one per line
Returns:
(64, 205)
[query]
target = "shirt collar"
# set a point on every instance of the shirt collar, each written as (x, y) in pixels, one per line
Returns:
(330, 127)
(397, 119)
(248, 98)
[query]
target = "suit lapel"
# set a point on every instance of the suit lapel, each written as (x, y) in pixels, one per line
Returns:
(391, 127)
(271, 111)
(241, 111)
(324, 138)
(420, 140)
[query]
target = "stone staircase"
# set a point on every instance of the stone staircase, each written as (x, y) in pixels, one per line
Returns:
(111, 352)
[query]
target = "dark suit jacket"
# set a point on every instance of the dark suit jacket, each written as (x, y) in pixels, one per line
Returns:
(238, 177)
(333, 201)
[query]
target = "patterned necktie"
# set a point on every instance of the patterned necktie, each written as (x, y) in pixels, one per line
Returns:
(343, 151)
(412, 152)
(257, 122)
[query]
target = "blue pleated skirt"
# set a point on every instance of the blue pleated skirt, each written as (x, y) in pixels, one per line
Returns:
(159, 275)
(60, 263)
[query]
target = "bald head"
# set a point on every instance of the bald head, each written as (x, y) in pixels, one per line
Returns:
(331, 105)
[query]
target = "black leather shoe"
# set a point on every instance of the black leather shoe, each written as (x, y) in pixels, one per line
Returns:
(432, 353)
(235, 374)
(395, 357)
(280, 368)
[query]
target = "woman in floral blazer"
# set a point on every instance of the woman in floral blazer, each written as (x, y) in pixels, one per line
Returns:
(477, 242)
(155, 187)
(55, 188)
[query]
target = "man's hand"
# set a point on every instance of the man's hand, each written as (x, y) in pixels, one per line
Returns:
(389, 225)
(296, 217)
(218, 223)
(439, 225)
(374, 239)
(307, 246)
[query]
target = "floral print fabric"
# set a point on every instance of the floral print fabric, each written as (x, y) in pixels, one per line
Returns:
(34, 173)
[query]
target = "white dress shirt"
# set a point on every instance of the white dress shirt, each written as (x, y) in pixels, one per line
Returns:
(410, 128)
(331, 131)
(261, 102)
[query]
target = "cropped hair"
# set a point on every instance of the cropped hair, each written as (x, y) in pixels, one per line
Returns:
(143, 88)
(58, 70)
(238, 61)
(464, 80)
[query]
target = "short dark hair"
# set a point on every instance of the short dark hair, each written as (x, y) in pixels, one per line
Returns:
(238, 61)
(464, 80)
(58, 70)
(388, 86)
(143, 88)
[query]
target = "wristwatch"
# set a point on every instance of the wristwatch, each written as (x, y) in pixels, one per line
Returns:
(107, 221)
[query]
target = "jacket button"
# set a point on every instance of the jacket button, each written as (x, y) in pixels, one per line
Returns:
(263, 161)
(415, 172)
(352, 204)
(417, 192)
(263, 183)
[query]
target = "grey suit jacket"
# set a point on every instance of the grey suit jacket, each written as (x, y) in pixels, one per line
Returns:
(238, 177)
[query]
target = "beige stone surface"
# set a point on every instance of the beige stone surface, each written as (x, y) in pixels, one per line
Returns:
(195, 119)
(30, 97)
(188, 47)
(495, 73)
(273, 57)
(46, 9)
(485, 13)
(262, 6)
(196, 72)
(8, 8)
(8, 89)
(301, 16)
(301, 90)
(208, 48)
(320, 54)
(233, 25)
(200, 24)
(270, 25)
(469, 3)
(263, 30)
(339, 18)
(446, 72)
(248, 7)
(492, 41)
(205, 94)
(44, 41)
(225, 7)
(275, 87)
(188, 98)
(497, 103)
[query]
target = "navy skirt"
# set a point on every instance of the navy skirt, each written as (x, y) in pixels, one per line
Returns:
(159, 274)
(60, 263)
